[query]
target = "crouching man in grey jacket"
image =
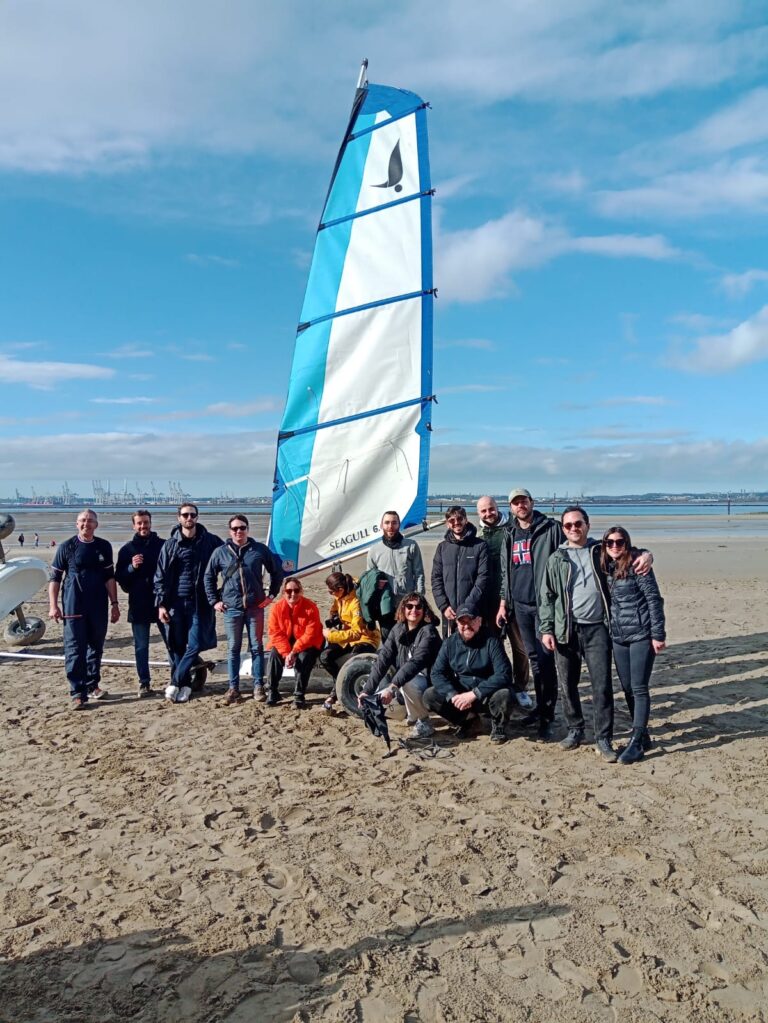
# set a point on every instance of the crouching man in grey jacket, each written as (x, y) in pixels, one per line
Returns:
(471, 672)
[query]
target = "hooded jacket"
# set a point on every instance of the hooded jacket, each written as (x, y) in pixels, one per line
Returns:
(242, 575)
(167, 578)
(355, 631)
(460, 571)
(293, 629)
(410, 652)
(138, 582)
(480, 666)
(546, 536)
(403, 565)
(555, 595)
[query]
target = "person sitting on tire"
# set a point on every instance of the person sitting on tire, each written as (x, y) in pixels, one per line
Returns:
(471, 673)
(410, 649)
(295, 640)
(345, 631)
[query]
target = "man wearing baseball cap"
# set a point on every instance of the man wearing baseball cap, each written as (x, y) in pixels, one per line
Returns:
(471, 674)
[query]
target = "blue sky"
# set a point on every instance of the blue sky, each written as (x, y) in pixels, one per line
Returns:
(600, 225)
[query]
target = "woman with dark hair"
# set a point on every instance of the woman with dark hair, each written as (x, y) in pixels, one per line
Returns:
(637, 632)
(345, 630)
(295, 640)
(410, 649)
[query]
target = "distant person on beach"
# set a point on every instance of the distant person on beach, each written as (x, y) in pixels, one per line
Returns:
(188, 620)
(408, 653)
(638, 632)
(459, 568)
(82, 568)
(494, 525)
(574, 610)
(346, 633)
(399, 558)
(21, 539)
(135, 572)
(240, 599)
(37, 539)
(471, 675)
(295, 641)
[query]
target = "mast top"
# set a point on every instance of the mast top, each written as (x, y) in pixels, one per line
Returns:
(362, 81)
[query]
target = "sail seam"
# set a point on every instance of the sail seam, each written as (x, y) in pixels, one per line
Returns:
(383, 124)
(361, 308)
(376, 209)
(352, 419)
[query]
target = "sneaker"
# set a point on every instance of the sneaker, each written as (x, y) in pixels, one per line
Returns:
(78, 703)
(145, 690)
(422, 729)
(233, 696)
(573, 739)
(524, 700)
(498, 733)
(604, 749)
(171, 693)
(97, 693)
(184, 694)
(330, 705)
(258, 693)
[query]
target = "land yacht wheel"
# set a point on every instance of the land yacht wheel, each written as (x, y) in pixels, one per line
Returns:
(31, 632)
(351, 679)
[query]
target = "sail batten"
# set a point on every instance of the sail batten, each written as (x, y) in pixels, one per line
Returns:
(354, 438)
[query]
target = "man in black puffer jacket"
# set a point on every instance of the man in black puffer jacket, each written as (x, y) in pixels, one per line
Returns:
(459, 568)
(135, 572)
(471, 672)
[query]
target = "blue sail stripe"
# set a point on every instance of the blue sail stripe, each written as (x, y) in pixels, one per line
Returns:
(374, 209)
(358, 415)
(360, 309)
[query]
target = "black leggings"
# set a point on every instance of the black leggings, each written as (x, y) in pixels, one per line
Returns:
(634, 664)
(334, 657)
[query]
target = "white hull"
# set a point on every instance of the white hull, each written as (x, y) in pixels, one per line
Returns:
(20, 580)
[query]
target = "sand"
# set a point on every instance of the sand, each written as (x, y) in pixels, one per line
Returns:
(203, 863)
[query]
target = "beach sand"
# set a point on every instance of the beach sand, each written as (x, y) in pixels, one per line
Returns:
(227, 865)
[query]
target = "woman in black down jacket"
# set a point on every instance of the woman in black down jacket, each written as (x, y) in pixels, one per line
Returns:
(637, 632)
(411, 649)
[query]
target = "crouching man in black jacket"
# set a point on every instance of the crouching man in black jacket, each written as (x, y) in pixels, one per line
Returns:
(471, 672)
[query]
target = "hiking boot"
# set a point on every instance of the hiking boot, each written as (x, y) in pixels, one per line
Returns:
(97, 693)
(258, 693)
(145, 690)
(498, 733)
(422, 729)
(544, 731)
(634, 750)
(299, 702)
(274, 698)
(573, 739)
(233, 696)
(604, 748)
(647, 741)
(524, 700)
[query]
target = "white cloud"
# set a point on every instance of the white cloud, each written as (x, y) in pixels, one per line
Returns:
(474, 264)
(130, 352)
(637, 399)
(699, 321)
(743, 123)
(123, 401)
(471, 389)
(222, 410)
(198, 357)
(45, 376)
(738, 285)
(718, 353)
(727, 186)
(475, 343)
(211, 260)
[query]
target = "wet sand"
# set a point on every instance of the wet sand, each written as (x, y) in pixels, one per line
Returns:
(203, 863)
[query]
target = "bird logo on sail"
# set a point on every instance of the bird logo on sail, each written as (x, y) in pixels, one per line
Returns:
(395, 172)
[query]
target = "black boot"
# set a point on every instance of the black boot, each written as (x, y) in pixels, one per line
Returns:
(274, 696)
(634, 751)
(647, 740)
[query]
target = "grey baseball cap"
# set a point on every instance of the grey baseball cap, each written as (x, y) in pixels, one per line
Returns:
(520, 492)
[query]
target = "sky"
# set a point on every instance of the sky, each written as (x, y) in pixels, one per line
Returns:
(600, 222)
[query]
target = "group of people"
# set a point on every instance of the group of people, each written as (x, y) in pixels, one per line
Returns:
(558, 596)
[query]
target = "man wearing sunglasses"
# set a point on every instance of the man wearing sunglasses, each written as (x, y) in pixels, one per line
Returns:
(574, 612)
(187, 619)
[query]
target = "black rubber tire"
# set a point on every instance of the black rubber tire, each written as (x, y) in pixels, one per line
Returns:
(351, 679)
(33, 633)
(7, 525)
(198, 676)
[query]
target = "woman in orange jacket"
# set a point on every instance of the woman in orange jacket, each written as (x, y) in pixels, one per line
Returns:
(295, 640)
(346, 633)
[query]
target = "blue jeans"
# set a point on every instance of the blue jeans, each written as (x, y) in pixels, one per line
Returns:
(183, 641)
(141, 650)
(253, 621)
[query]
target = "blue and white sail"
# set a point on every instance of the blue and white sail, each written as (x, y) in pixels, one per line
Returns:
(354, 438)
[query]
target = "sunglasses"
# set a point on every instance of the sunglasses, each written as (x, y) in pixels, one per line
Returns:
(610, 542)
(293, 590)
(239, 529)
(187, 515)
(414, 607)
(574, 525)
(455, 522)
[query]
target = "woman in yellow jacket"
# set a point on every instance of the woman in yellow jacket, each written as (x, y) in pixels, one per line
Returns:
(346, 632)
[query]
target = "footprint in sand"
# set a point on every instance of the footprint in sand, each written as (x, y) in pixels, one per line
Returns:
(279, 881)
